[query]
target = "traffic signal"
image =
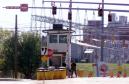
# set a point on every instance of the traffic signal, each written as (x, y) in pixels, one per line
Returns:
(100, 12)
(109, 17)
(69, 16)
(54, 8)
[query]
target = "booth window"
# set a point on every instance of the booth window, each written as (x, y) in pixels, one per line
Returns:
(62, 38)
(53, 39)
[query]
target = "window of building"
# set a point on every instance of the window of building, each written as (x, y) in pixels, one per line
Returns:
(62, 38)
(53, 39)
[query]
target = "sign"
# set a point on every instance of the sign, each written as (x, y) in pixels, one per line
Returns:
(24, 7)
(46, 51)
(50, 52)
(44, 58)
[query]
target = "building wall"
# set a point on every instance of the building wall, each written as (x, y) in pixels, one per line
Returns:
(76, 51)
(58, 47)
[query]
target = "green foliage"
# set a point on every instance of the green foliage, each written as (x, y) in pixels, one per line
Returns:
(29, 58)
(28, 50)
(1, 64)
(85, 66)
(4, 34)
(9, 53)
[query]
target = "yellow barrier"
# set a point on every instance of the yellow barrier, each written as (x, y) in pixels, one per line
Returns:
(49, 75)
(62, 73)
(40, 75)
(56, 74)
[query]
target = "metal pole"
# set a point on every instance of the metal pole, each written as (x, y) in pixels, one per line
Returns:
(15, 57)
(70, 25)
(68, 56)
(69, 43)
(102, 39)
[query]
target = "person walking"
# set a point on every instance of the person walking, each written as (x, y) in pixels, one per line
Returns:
(73, 69)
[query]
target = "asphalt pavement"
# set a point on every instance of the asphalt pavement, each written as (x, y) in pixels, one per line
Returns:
(84, 80)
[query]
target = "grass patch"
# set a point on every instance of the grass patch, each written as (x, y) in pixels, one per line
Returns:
(87, 67)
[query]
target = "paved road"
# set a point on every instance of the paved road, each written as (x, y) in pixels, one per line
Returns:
(93, 80)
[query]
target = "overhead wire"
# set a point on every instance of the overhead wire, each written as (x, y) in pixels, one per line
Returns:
(60, 12)
(77, 2)
(77, 20)
(33, 12)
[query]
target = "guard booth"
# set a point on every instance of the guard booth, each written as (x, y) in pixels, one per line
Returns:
(57, 40)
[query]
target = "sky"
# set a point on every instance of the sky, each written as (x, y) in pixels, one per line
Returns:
(7, 16)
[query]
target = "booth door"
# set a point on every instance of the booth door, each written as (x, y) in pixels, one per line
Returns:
(56, 61)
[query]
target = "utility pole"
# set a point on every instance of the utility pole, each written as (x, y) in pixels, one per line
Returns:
(15, 57)
(70, 28)
(101, 58)
(102, 32)
(68, 53)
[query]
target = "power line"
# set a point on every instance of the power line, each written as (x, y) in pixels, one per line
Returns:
(91, 9)
(120, 4)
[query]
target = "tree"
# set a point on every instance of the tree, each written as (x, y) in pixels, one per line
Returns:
(28, 50)
(29, 58)
(4, 35)
(9, 54)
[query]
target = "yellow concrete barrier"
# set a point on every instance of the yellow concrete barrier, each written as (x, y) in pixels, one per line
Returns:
(62, 73)
(49, 75)
(56, 74)
(40, 75)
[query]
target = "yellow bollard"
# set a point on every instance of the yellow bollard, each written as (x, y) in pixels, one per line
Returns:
(48, 75)
(56, 74)
(40, 75)
(62, 73)
(51, 74)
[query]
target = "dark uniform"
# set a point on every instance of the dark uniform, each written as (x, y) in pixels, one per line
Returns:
(73, 69)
